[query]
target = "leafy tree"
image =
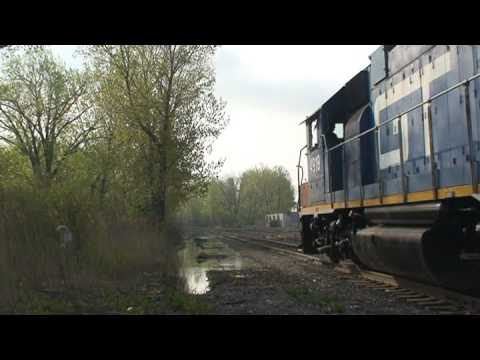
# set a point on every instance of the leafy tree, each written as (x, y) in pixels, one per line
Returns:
(263, 191)
(224, 201)
(16, 170)
(165, 95)
(46, 110)
(96, 150)
(248, 198)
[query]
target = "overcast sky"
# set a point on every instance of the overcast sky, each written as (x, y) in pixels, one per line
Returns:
(269, 90)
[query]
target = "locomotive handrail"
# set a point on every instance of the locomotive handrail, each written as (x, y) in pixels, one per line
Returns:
(324, 141)
(377, 128)
(299, 180)
(429, 100)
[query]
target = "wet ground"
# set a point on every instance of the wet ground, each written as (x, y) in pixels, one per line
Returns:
(238, 278)
(223, 277)
(203, 254)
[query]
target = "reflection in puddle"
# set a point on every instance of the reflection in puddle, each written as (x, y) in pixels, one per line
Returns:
(196, 280)
(201, 255)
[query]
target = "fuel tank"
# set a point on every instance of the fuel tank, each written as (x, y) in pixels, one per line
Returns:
(405, 241)
(418, 214)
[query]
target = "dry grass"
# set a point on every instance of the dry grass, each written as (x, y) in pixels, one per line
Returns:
(107, 248)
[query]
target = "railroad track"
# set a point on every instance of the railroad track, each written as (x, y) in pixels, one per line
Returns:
(265, 243)
(429, 297)
(265, 230)
(290, 234)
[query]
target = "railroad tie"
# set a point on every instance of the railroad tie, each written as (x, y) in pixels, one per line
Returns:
(412, 296)
(435, 302)
(378, 286)
(359, 283)
(422, 299)
(444, 308)
(343, 270)
(450, 313)
(386, 286)
(373, 286)
(399, 291)
(405, 295)
(362, 283)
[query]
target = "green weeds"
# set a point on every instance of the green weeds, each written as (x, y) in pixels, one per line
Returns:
(313, 297)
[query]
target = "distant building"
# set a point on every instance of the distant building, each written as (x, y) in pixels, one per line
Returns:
(282, 220)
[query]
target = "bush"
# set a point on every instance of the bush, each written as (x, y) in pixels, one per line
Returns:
(107, 245)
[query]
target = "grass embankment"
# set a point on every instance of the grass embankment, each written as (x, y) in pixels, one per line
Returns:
(115, 263)
(113, 300)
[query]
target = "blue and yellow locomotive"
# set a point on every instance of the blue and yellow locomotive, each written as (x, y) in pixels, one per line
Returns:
(393, 167)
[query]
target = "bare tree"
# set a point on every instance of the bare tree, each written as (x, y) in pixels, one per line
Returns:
(45, 109)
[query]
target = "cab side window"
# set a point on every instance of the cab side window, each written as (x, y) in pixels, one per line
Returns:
(338, 130)
(314, 132)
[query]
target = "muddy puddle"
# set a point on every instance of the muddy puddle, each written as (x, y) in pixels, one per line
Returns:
(203, 254)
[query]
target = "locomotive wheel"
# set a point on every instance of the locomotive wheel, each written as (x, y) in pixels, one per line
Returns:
(334, 255)
(307, 236)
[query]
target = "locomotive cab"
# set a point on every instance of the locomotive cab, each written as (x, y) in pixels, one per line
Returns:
(333, 169)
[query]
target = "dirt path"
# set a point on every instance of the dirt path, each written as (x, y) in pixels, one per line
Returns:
(273, 283)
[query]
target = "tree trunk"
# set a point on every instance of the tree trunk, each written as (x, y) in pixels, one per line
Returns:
(159, 184)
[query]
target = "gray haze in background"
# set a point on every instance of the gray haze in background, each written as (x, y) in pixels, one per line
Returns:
(269, 90)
